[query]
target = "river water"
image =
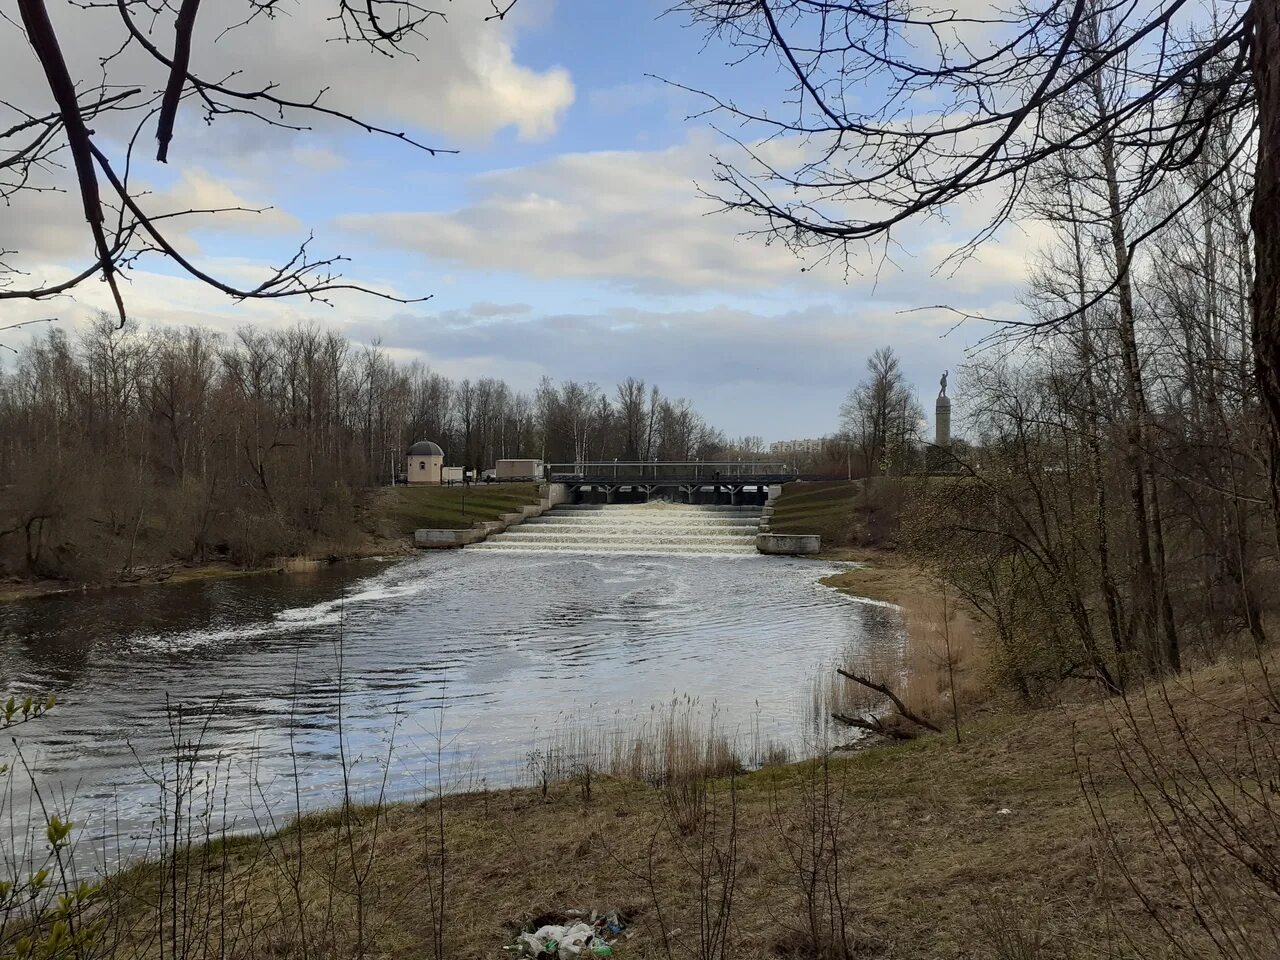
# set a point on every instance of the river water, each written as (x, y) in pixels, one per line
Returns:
(457, 661)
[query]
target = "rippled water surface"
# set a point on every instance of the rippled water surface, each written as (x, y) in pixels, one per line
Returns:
(482, 653)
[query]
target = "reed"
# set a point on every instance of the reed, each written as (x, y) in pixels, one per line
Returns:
(937, 668)
(676, 742)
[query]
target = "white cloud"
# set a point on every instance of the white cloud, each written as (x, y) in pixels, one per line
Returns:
(484, 308)
(465, 81)
(779, 374)
(634, 219)
(48, 231)
(629, 217)
(462, 81)
(158, 299)
(464, 84)
(197, 189)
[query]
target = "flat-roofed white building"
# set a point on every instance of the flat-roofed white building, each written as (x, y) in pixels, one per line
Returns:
(517, 469)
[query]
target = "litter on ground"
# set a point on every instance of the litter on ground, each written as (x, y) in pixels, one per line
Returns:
(580, 937)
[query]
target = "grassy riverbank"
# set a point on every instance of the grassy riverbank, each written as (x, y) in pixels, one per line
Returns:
(931, 849)
(1033, 834)
(1087, 827)
(847, 514)
(383, 525)
(405, 509)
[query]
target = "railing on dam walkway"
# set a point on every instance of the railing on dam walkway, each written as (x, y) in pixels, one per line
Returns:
(663, 471)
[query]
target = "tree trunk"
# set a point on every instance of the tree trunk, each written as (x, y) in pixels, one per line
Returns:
(1154, 606)
(1119, 641)
(1265, 220)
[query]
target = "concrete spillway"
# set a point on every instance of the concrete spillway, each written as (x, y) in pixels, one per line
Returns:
(655, 528)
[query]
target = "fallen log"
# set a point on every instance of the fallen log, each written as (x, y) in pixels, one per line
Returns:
(903, 710)
(873, 725)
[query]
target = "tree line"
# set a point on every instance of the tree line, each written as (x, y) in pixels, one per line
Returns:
(1114, 518)
(126, 447)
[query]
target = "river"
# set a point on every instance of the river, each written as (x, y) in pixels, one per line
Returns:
(469, 658)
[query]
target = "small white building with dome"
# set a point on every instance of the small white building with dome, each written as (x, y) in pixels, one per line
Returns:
(425, 463)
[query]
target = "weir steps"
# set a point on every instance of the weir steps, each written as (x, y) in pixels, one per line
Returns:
(654, 528)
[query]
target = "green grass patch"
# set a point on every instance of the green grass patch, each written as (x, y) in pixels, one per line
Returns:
(453, 508)
(826, 508)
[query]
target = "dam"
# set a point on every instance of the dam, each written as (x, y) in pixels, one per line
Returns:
(657, 527)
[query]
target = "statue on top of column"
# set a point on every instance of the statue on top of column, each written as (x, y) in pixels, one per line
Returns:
(943, 382)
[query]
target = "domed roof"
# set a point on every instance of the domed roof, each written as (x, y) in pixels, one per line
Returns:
(425, 448)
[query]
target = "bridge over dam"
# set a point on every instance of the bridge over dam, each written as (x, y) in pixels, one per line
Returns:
(697, 482)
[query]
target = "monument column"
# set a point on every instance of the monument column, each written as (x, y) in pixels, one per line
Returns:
(942, 428)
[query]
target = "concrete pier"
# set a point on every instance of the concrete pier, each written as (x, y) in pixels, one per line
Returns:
(788, 544)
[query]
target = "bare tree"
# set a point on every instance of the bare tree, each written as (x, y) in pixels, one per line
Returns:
(868, 160)
(881, 415)
(141, 79)
(631, 412)
(123, 449)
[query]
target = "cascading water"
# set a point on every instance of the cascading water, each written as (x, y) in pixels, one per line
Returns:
(649, 528)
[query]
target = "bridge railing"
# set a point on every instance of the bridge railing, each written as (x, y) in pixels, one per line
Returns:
(659, 470)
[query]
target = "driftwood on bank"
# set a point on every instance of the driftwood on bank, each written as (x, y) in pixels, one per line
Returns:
(874, 724)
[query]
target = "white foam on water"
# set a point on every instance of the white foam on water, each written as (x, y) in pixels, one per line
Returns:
(375, 590)
(189, 640)
(331, 611)
(653, 529)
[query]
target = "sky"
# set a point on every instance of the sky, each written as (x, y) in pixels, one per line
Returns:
(566, 237)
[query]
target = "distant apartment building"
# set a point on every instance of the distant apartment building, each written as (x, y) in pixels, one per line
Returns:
(796, 449)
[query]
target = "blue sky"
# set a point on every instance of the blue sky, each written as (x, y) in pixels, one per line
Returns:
(566, 237)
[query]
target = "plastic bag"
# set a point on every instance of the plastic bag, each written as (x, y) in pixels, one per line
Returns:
(576, 942)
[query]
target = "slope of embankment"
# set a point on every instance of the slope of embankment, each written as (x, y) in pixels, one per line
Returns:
(1036, 829)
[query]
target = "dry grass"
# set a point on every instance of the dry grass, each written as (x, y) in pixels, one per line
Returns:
(945, 666)
(939, 669)
(847, 514)
(880, 575)
(401, 510)
(985, 848)
(677, 750)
